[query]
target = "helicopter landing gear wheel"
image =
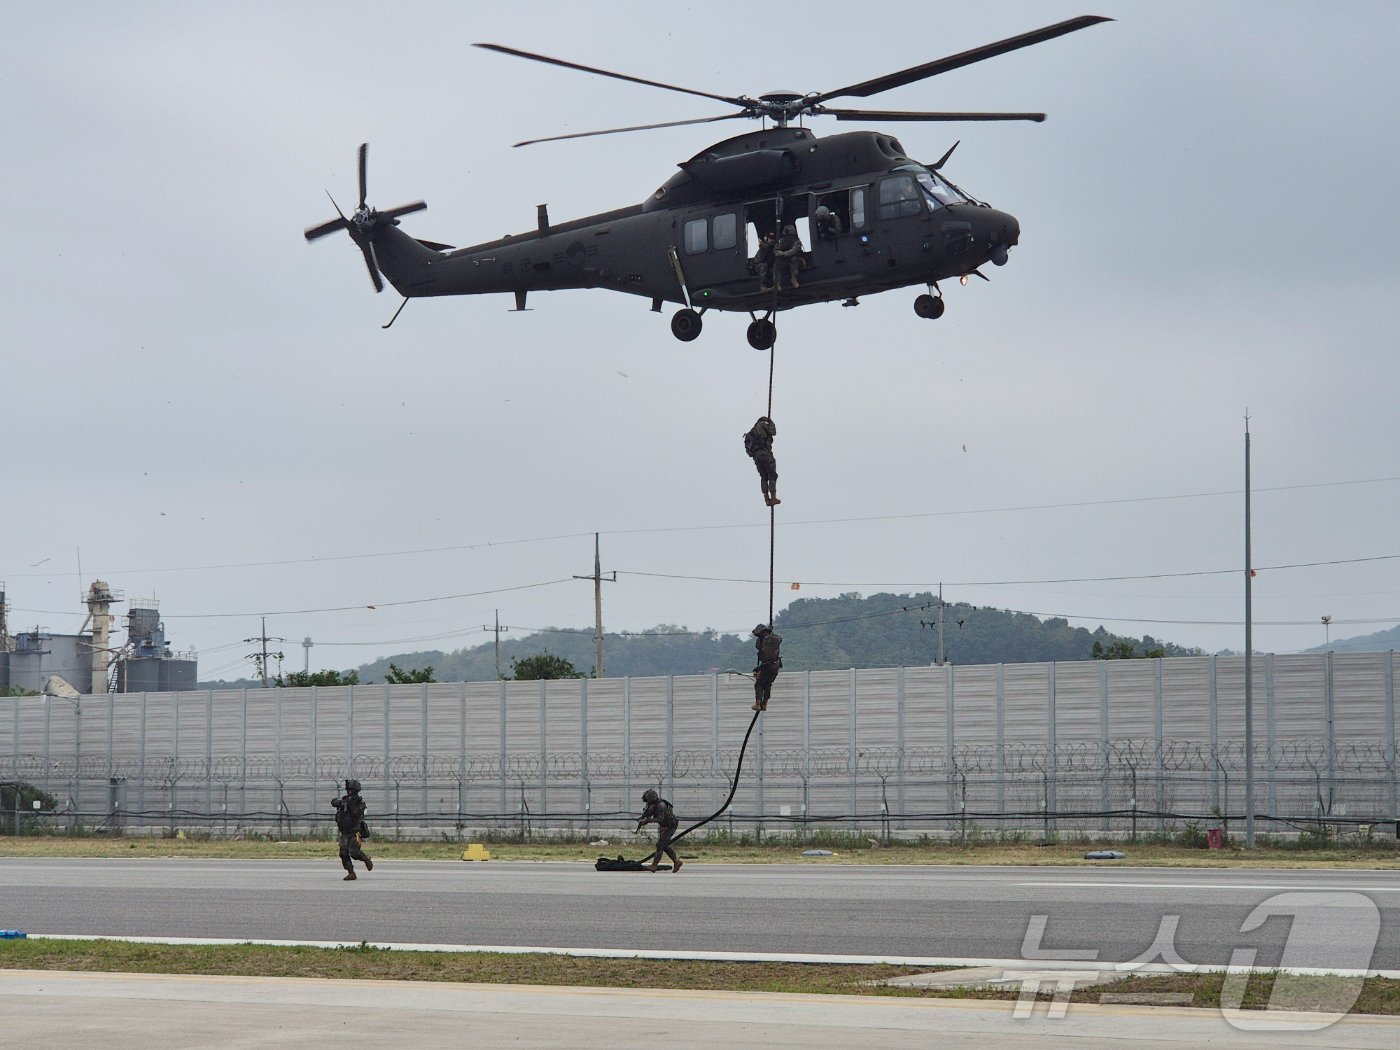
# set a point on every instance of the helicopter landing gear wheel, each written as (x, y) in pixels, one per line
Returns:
(762, 334)
(929, 306)
(685, 325)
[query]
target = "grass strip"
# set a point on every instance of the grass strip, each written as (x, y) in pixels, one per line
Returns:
(1378, 995)
(1024, 854)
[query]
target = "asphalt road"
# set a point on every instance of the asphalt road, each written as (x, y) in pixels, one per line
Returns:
(1106, 914)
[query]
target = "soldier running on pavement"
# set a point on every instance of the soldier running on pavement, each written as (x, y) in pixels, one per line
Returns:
(350, 822)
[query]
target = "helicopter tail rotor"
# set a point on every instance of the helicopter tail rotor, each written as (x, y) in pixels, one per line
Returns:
(364, 222)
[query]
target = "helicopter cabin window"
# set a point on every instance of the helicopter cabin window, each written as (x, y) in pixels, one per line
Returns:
(858, 208)
(726, 231)
(697, 236)
(899, 196)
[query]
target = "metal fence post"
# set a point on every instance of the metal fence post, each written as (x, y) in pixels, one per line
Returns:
(1103, 745)
(1053, 764)
(1001, 743)
(670, 736)
(806, 750)
(544, 755)
(855, 755)
(714, 738)
(899, 687)
(501, 690)
(1390, 736)
(950, 764)
(1270, 724)
(141, 790)
(585, 796)
(626, 742)
(1161, 754)
(1214, 739)
(462, 754)
(1331, 736)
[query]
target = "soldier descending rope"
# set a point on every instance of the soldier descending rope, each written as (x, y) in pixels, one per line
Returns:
(758, 443)
(770, 662)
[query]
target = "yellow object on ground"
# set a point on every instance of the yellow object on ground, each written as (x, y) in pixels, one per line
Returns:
(476, 851)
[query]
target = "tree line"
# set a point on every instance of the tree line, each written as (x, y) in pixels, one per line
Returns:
(819, 634)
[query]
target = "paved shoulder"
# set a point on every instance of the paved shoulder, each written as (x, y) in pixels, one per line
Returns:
(77, 1011)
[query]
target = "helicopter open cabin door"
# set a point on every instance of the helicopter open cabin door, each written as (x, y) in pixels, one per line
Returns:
(837, 217)
(712, 255)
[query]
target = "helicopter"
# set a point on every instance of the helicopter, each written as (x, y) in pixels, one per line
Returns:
(876, 219)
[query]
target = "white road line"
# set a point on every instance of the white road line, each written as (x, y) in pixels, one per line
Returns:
(1329, 887)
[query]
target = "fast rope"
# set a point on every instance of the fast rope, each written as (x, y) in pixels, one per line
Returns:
(772, 537)
(733, 786)
(772, 513)
(604, 864)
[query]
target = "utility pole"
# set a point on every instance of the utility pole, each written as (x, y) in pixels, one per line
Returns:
(942, 658)
(497, 632)
(260, 658)
(598, 579)
(1248, 657)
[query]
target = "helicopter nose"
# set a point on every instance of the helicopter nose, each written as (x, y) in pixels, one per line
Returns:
(1003, 232)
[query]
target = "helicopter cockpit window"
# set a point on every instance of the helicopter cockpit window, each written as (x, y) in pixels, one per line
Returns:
(900, 196)
(726, 231)
(936, 190)
(697, 236)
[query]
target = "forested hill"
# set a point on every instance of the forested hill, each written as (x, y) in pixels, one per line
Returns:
(881, 630)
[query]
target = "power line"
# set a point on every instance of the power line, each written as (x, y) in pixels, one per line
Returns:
(1025, 583)
(658, 530)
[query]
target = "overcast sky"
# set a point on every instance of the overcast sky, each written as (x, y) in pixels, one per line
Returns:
(202, 408)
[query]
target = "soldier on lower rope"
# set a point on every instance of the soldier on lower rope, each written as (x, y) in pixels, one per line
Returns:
(770, 662)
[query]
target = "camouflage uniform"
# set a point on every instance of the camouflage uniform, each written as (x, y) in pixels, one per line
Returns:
(767, 646)
(350, 822)
(758, 443)
(659, 812)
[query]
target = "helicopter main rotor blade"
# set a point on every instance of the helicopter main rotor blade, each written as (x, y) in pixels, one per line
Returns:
(605, 73)
(965, 58)
(879, 114)
(364, 153)
(314, 232)
(638, 127)
(404, 209)
(368, 252)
